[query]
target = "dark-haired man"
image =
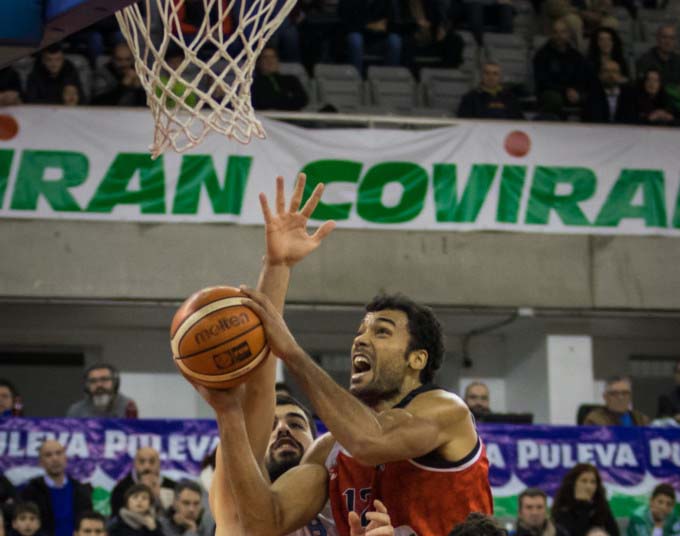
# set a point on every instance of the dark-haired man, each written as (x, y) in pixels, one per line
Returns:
(90, 523)
(533, 517)
(184, 516)
(8, 394)
(395, 437)
(657, 519)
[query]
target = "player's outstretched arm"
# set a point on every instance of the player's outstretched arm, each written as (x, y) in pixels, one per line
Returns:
(263, 509)
(370, 437)
(287, 243)
(379, 522)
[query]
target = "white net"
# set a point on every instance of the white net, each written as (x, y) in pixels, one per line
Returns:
(195, 59)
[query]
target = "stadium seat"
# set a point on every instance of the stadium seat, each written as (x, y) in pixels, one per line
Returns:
(85, 72)
(298, 70)
(443, 89)
(339, 85)
(392, 87)
(583, 410)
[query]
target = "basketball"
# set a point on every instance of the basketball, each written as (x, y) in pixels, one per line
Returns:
(9, 127)
(216, 340)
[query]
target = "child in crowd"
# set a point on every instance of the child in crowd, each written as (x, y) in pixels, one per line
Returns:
(138, 516)
(25, 520)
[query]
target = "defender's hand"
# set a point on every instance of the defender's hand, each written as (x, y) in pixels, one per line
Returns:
(286, 230)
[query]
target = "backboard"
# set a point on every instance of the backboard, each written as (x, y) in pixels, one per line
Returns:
(30, 25)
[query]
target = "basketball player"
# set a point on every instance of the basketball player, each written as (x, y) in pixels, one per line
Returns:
(287, 242)
(395, 436)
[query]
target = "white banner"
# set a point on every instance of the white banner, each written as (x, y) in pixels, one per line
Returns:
(93, 164)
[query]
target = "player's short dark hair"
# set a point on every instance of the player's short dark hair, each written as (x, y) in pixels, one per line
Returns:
(531, 492)
(424, 329)
(92, 516)
(4, 382)
(26, 507)
(664, 489)
(283, 399)
(187, 484)
(478, 524)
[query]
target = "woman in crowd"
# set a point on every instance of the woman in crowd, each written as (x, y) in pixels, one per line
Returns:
(654, 106)
(138, 516)
(581, 502)
(605, 44)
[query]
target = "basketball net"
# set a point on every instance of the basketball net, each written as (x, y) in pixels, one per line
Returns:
(195, 60)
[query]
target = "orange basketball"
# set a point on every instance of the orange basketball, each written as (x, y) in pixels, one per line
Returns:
(216, 341)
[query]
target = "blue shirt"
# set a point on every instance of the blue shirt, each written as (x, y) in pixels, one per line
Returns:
(626, 419)
(62, 507)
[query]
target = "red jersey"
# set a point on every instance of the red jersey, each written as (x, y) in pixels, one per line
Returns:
(427, 496)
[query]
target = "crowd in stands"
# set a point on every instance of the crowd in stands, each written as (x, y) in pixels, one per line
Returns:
(598, 62)
(146, 503)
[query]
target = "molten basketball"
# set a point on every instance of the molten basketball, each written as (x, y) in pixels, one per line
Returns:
(216, 341)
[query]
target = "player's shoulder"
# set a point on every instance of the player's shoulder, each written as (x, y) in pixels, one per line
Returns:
(439, 402)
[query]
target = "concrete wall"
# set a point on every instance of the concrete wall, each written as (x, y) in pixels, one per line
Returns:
(169, 261)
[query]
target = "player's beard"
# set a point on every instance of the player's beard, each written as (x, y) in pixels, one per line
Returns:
(384, 385)
(276, 468)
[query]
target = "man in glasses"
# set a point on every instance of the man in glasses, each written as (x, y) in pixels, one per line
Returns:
(618, 409)
(102, 399)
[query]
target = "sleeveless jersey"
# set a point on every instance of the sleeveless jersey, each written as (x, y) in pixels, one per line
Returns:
(321, 525)
(427, 496)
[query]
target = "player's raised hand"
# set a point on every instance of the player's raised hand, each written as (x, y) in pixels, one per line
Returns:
(288, 241)
(380, 523)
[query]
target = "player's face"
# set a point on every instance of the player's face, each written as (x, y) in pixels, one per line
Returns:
(379, 355)
(661, 507)
(291, 435)
(533, 512)
(147, 461)
(585, 486)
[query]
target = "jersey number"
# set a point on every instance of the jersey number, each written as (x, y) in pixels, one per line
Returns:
(364, 495)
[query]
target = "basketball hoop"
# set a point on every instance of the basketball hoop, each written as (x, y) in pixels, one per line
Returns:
(195, 59)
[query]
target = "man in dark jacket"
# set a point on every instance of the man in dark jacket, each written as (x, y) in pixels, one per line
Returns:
(147, 462)
(669, 404)
(117, 83)
(611, 100)
(533, 517)
(52, 71)
(490, 100)
(275, 91)
(560, 71)
(618, 398)
(61, 499)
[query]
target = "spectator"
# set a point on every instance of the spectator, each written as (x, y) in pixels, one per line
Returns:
(480, 14)
(10, 87)
(533, 515)
(275, 91)
(618, 396)
(8, 399)
(102, 398)
(25, 520)
(581, 502)
(566, 12)
(433, 34)
(51, 72)
(669, 405)
(611, 100)
(70, 95)
(490, 100)
(665, 59)
(60, 498)
(477, 398)
(147, 462)
(653, 106)
(319, 30)
(371, 25)
(657, 519)
(478, 524)
(184, 516)
(597, 14)
(605, 44)
(561, 73)
(137, 517)
(117, 83)
(8, 496)
(90, 524)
